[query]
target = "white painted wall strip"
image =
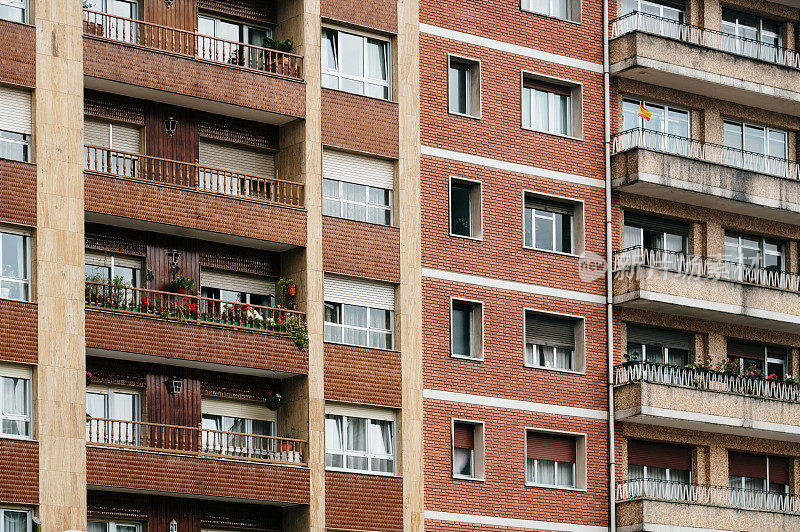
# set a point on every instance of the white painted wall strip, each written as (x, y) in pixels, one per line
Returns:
(530, 524)
(502, 46)
(513, 404)
(526, 288)
(508, 166)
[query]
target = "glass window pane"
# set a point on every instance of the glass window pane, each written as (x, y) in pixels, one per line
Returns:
(376, 60)
(565, 471)
(13, 256)
(330, 81)
(13, 290)
(563, 236)
(528, 225)
(330, 188)
(527, 118)
(540, 6)
(544, 232)
(354, 316)
(462, 461)
(15, 521)
(329, 49)
(380, 319)
(380, 196)
(356, 434)
(378, 215)
(349, 85)
(333, 312)
(562, 114)
(462, 330)
(334, 433)
(777, 144)
(352, 54)
(331, 207)
(630, 115)
(754, 139)
(355, 336)
(678, 123)
(733, 135)
(97, 526)
(546, 472)
(460, 210)
(541, 110)
(459, 85)
(657, 121)
(353, 192)
(380, 437)
(378, 91)
(354, 211)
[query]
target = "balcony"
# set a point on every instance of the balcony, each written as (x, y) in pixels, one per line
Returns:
(656, 505)
(179, 67)
(147, 457)
(672, 396)
(706, 288)
(201, 198)
(666, 53)
(656, 165)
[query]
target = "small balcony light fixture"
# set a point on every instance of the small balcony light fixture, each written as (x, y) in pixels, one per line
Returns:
(175, 386)
(171, 125)
(174, 255)
(169, 4)
(173, 526)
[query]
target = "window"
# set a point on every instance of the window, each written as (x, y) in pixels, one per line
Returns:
(359, 439)
(661, 18)
(121, 29)
(753, 251)
(756, 148)
(357, 187)
(465, 208)
(15, 401)
(15, 262)
(113, 526)
(649, 232)
(551, 341)
(111, 147)
(237, 287)
(753, 357)
(563, 9)
(14, 10)
(122, 405)
(658, 346)
(354, 63)
(548, 224)
(14, 520)
(659, 462)
(468, 452)
(359, 312)
(235, 160)
(758, 472)
(466, 329)
(551, 460)
(548, 107)
(15, 122)
(224, 32)
(751, 35)
(255, 421)
(667, 130)
(464, 87)
(106, 268)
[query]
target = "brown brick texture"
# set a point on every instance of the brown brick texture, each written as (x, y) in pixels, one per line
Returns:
(191, 342)
(376, 122)
(189, 475)
(18, 60)
(363, 502)
(361, 249)
(18, 328)
(183, 75)
(361, 375)
(19, 471)
(18, 190)
(138, 200)
(381, 15)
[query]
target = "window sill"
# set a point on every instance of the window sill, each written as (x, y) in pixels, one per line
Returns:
(15, 437)
(551, 17)
(360, 472)
(359, 221)
(473, 238)
(361, 95)
(464, 115)
(559, 135)
(562, 253)
(469, 479)
(362, 347)
(18, 300)
(17, 160)
(470, 359)
(567, 371)
(548, 486)
(18, 22)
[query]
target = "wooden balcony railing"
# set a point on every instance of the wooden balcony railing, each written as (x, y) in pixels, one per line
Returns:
(192, 176)
(192, 309)
(195, 441)
(192, 44)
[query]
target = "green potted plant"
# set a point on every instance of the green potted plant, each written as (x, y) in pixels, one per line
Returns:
(273, 400)
(631, 359)
(182, 285)
(298, 331)
(286, 289)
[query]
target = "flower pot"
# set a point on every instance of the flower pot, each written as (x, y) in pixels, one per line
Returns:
(291, 290)
(182, 290)
(273, 402)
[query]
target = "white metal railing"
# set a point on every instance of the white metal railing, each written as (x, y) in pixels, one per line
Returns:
(717, 40)
(714, 495)
(705, 380)
(704, 151)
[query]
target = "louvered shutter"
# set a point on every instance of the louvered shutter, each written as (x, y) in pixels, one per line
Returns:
(745, 349)
(16, 110)
(15, 371)
(237, 282)
(653, 223)
(656, 454)
(557, 447)
(779, 469)
(97, 133)
(747, 465)
(239, 159)
(463, 436)
(98, 258)
(549, 205)
(360, 292)
(640, 334)
(360, 169)
(229, 408)
(126, 138)
(363, 412)
(553, 331)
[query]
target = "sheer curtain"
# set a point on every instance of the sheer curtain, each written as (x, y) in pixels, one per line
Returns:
(565, 474)
(334, 440)
(356, 440)
(15, 521)
(15, 403)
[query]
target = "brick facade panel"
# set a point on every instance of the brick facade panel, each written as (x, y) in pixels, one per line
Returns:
(19, 331)
(196, 476)
(19, 471)
(18, 190)
(381, 15)
(376, 122)
(183, 75)
(363, 502)
(361, 249)
(190, 342)
(361, 375)
(18, 61)
(195, 210)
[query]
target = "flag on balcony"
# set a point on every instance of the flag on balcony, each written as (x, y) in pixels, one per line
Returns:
(644, 113)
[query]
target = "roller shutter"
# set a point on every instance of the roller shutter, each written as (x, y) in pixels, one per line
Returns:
(121, 137)
(654, 454)
(747, 465)
(15, 371)
(98, 258)
(557, 447)
(229, 408)
(237, 158)
(463, 436)
(360, 292)
(360, 169)
(237, 282)
(16, 110)
(641, 334)
(541, 329)
(549, 205)
(364, 412)
(653, 223)
(745, 349)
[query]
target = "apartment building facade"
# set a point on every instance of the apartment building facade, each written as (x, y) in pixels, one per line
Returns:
(330, 265)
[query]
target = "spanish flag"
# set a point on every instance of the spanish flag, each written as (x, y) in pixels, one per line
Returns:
(644, 113)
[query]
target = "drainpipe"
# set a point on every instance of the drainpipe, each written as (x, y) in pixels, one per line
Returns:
(609, 275)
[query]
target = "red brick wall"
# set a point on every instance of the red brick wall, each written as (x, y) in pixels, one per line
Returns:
(361, 249)
(361, 375)
(375, 121)
(19, 471)
(363, 502)
(18, 61)
(381, 15)
(18, 329)
(18, 190)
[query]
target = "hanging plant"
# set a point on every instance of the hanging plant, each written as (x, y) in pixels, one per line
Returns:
(89, 376)
(273, 400)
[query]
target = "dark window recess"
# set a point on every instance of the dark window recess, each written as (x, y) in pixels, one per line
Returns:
(460, 209)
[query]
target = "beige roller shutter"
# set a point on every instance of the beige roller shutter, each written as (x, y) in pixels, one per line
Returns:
(98, 258)
(237, 282)
(97, 133)
(237, 158)
(361, 292)
(15, 114)
(16, 371)
(361, 411)
(359, 169)
(126, 138)
(231, 408)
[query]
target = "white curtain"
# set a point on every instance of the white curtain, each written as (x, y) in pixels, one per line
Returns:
(546, 473)
(565, 474)
(15, 521)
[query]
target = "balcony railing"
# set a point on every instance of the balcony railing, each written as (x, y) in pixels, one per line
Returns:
(193, 441)
(627, 262)
(705, 380)
(191, 308)
(717, 40)
(704, 151)
(192, 44)
(714, 495)
(192, 176)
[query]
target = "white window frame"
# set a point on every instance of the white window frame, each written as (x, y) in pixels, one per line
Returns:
(475, 336)
(27, 513)
(645, 477)
(741, 479)
(475, 211)
(19, 4)
(368, 329)
(473, 70)
(478, 452)
(578, 352)
(574, 105)
(552, 113)
(575, 18)
(28, 262)
(111, 526)
(580, 469)
(641, 122)
(766, 131)
(577, 227)
(762, 251)
(344, 413)
(367, 205)
(110, 392)
(364, 79)
(28, 406)
(25, 141)
(664, 349)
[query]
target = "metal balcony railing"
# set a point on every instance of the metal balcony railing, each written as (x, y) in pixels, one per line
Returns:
(705, 380)
(714, 495)
(193, 441)
(192, 176)
(704, 151)
(627, 262)
(717, 40)
(189, 43)
(191, 309)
